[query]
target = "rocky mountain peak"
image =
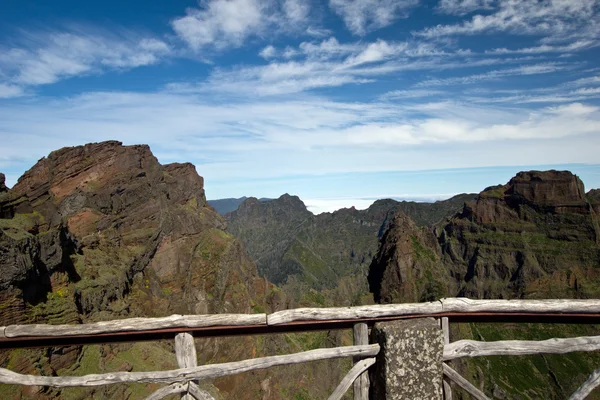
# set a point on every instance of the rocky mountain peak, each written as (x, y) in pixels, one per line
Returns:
(111, 212)
(3, 187)
(539, 191)
(554, 191)
(407, 266)
(291, 200)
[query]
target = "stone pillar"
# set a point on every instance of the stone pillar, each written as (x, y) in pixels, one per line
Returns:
(409, 365)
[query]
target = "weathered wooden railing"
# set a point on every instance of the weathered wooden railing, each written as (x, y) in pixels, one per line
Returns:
(185, 327)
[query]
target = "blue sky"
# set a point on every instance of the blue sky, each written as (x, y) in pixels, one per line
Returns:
(338, 101)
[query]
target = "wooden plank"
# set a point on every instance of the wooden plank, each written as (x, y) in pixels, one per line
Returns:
(174, 388)
(356, 371)
(446, 331)
(463, 383)
(361, 384)
(529, 306)
(188, 374)
(351, 313)
(2, 333)
(473, 348)
(199, 394)
(447, 389)
(136, 324)
(185, 351)
(587, 387)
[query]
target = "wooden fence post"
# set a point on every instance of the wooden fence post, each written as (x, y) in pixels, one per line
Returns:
(185, 350)
(361, 384)
(446, 331)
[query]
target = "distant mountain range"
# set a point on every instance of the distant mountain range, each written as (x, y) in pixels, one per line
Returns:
(224, 206)
(104, 231)
(285, 239)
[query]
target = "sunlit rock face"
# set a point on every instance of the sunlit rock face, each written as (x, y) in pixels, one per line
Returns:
(535, 237)
(104, 231)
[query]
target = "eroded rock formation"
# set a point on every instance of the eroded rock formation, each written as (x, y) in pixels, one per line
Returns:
(104, 231)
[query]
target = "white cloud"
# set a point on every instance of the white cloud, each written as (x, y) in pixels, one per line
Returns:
(282, 137)
(377, 51)
(8, 91)
(318, 32)
(411, 94)
(462, 7)
(545, 48)
(558, 20)
(363, 16)
(268, 52)
(46, 58)
(222, 24)
(330, 63)
(328, 49)
(296, 10)
(494, 74)
(590, 80)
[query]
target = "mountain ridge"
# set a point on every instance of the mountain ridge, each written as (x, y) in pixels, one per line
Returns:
(285, 239)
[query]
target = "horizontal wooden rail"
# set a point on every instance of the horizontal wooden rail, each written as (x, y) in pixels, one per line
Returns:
(136, 324)
(473, 348)
(353, 313)
(462, 304)
(188, 374)
(303, 319)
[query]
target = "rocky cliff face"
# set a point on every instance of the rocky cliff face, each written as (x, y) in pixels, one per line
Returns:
(285, 239)
(407, 267)
(104, 231)
(535, 237)
(107, 213)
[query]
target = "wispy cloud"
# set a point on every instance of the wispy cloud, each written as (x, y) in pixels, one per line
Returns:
(534, 69)
(311, 135)
(463, 7)
(363, 16)
(7, 91)
(46, 57)
(545, 48)
(557, 20)
(411, 94)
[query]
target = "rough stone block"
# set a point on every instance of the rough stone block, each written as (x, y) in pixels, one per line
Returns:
(409, 365)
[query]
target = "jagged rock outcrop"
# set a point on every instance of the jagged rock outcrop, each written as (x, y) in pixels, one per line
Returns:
(104, 231)
(535, 237)
(407, 267)
(3, 187)
(125, 214)
(593, 197)
(268, 229)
